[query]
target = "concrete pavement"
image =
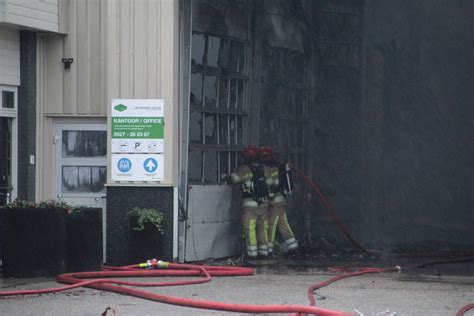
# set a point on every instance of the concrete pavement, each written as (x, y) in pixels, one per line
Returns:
(419, 292)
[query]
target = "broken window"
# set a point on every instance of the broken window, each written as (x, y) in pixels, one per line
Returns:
(218, 90)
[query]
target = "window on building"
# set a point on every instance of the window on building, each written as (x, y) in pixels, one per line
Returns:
(82, 160)
(218, 106)
(8, 99)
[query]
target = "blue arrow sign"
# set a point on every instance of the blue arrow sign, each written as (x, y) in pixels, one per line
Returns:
(150, 165)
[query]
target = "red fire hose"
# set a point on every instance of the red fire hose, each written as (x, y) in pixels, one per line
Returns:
(342, 227)
(369, 270)
(464, 309)
(99, 280)
(332, 213)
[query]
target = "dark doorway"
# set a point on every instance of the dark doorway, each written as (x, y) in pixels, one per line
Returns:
(5, 159)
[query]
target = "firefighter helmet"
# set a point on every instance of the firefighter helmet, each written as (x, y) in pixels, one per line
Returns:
(250, 152)
(266, 153)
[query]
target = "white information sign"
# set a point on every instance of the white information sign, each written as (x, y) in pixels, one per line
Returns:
(137, 167)
(137, 139)
(137, 126)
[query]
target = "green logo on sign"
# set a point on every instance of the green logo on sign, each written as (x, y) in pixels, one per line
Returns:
(120, 107)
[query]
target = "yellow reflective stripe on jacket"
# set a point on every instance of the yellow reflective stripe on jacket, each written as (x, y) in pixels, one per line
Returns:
(274, 229)
(288, 225)
(253, 232)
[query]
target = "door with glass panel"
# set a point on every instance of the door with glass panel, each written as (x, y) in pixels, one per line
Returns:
(81, 163)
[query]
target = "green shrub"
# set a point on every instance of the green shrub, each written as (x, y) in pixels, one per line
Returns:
(43, 204)
(146, 215)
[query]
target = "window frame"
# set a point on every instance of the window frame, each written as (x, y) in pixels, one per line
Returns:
(9, 112)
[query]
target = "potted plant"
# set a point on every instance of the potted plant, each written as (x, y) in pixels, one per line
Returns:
(50, 237)
(146, 233)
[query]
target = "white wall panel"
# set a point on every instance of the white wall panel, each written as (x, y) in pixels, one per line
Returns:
(140, 35)
(80, 90)
(70, 50)
(37, 14)
(53, 74)
(95, 56)
(214, 223)
(84, 98)
(153, 48)
(9, 57)
(2, 10)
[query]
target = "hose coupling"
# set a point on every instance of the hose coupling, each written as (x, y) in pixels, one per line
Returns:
(154, 264)
(162, 264)
(149, 264)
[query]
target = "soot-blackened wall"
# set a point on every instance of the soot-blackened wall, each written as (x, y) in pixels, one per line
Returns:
(373, 100)
(417, 187)
(393, 129)
(386, 130)
(334, 133)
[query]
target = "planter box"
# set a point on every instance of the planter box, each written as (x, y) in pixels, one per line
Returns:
(48, 241)
(34, 242)
(84, 240)
(2, 224)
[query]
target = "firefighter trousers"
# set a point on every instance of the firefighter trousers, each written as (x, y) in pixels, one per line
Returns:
(254, 222)
(278, 221)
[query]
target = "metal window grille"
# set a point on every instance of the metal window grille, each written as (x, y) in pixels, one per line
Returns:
(218, 106)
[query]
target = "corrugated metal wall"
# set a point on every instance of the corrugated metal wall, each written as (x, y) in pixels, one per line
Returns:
(81, 89)
(118, 52)
(117, 48)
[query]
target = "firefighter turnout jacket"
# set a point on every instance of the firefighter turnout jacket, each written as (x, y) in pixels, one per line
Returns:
(252, 195)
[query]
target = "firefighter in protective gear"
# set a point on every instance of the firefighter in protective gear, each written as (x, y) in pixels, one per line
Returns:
(251, 176)
(280, 187)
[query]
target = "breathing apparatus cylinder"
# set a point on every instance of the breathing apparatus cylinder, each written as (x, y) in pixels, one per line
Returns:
(285, 179)
(260, 189)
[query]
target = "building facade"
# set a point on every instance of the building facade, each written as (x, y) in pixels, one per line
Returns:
(371, 105)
